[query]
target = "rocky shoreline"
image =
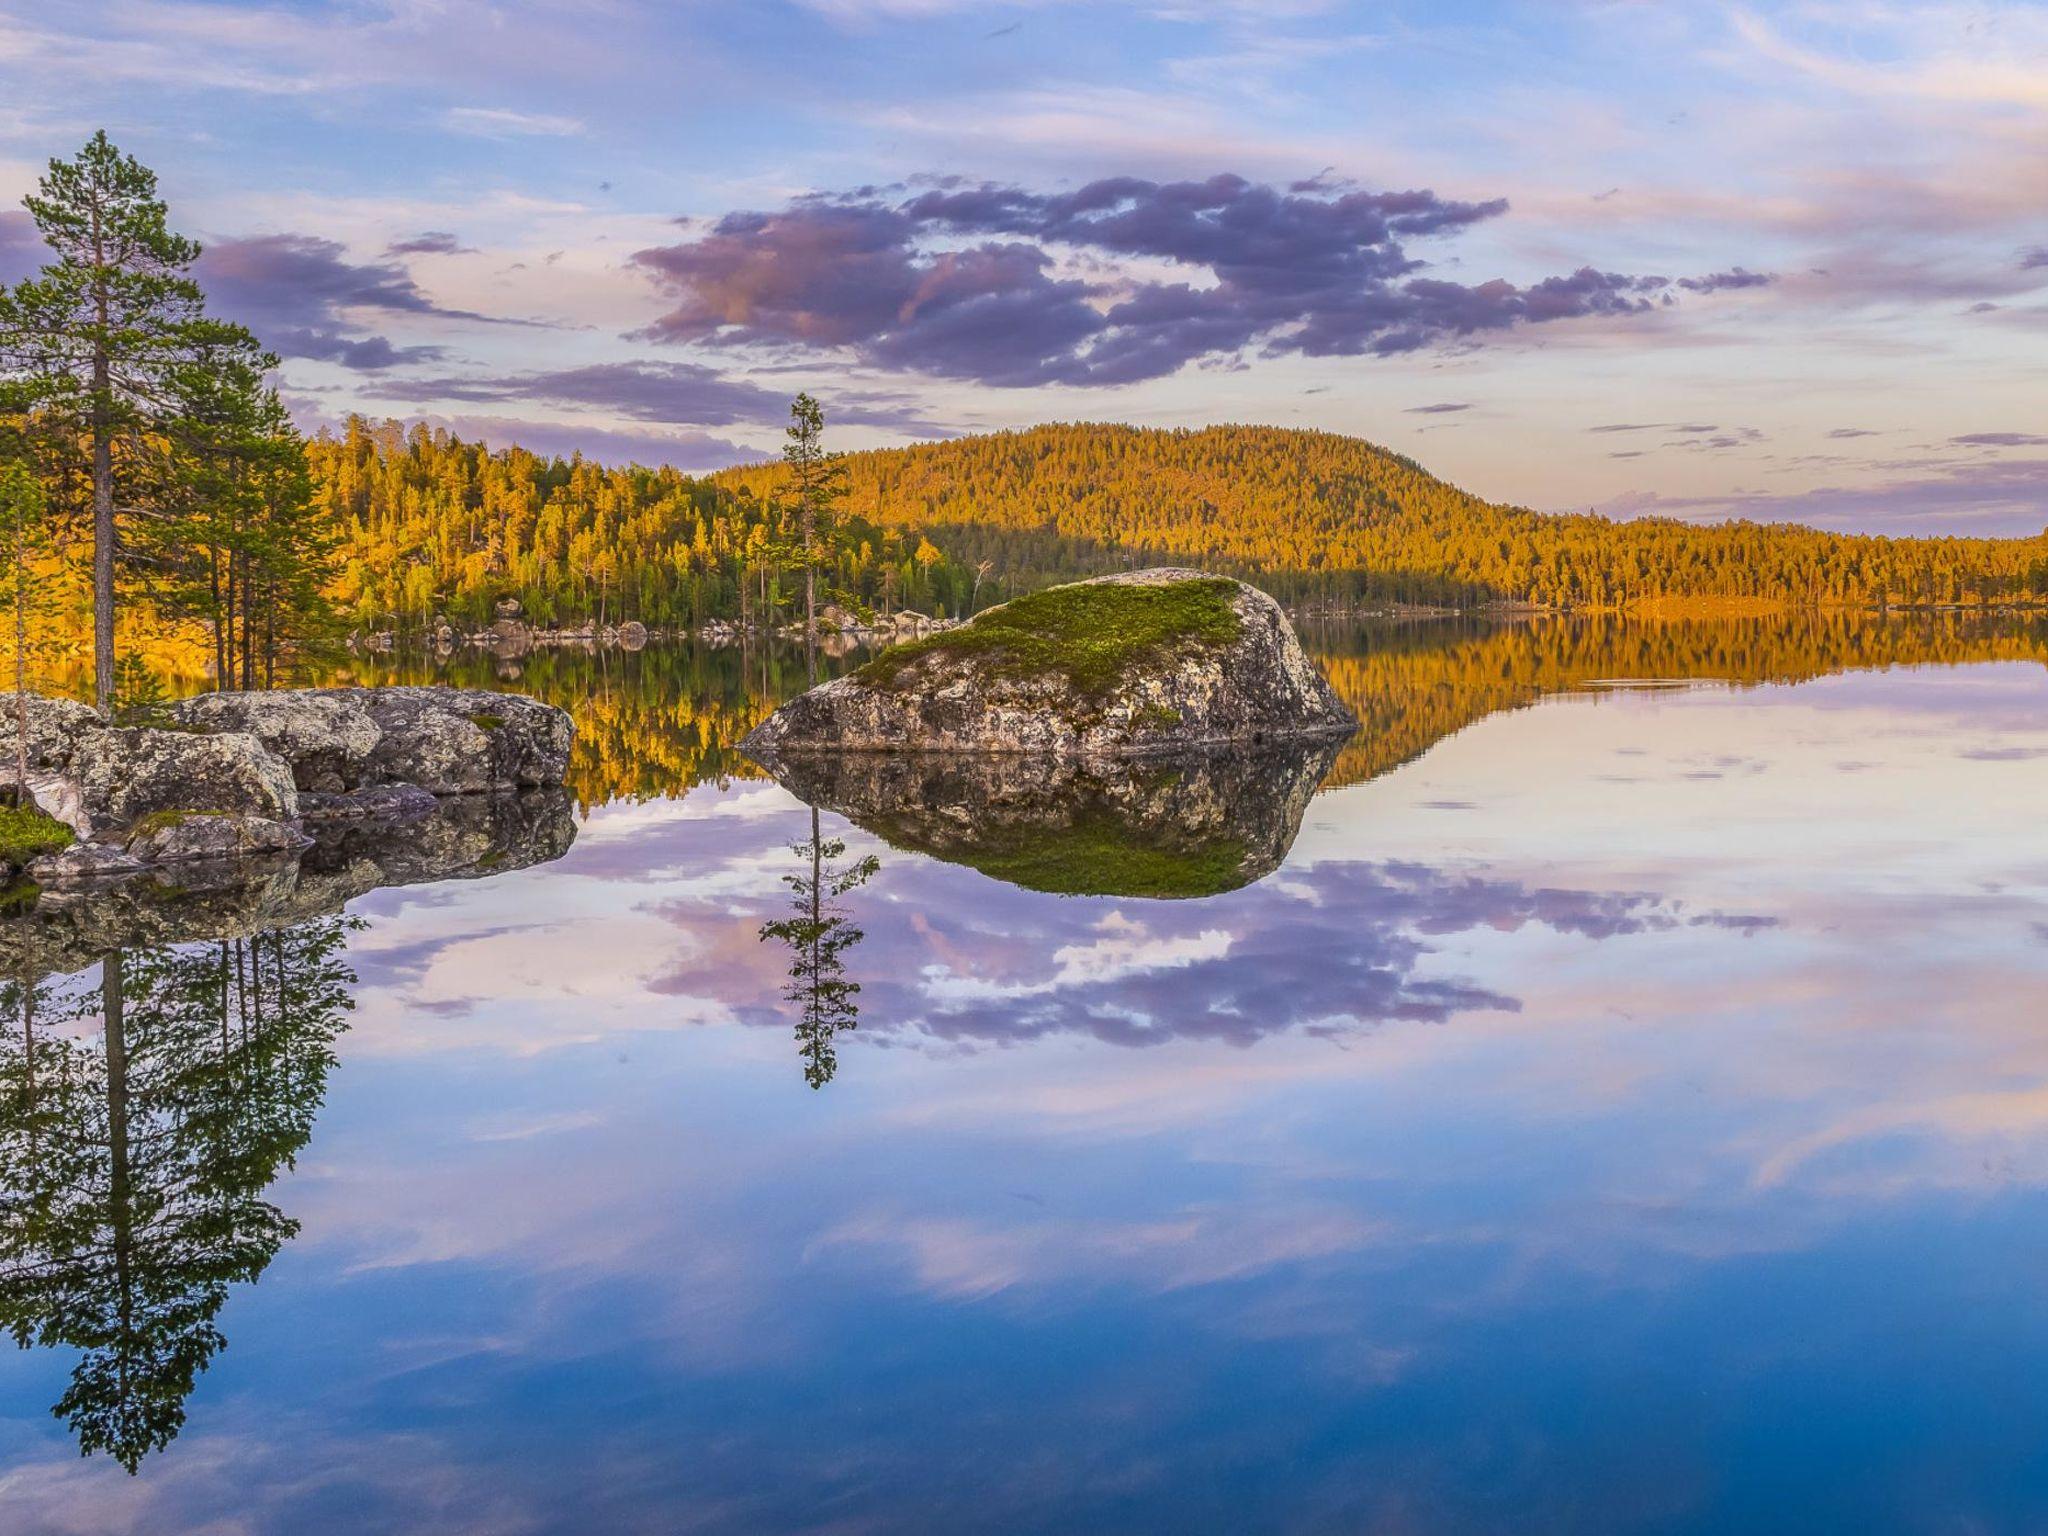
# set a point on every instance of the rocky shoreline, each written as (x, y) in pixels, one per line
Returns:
(229, 776)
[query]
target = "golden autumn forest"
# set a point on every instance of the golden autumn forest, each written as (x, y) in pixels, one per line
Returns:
(430, 526)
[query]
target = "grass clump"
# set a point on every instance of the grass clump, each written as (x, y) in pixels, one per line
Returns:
(488, 722)
(27, 833)
(1090, 636)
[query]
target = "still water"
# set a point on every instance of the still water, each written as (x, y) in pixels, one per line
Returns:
(1615, 1100)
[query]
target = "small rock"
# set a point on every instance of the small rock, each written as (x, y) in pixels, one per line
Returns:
(215, 837)
(378, 802)
(82, 862)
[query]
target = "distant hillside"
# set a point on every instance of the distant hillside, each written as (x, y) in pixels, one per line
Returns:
(1313, 515)
(431, 527)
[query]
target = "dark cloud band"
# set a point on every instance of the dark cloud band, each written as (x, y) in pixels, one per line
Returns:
(1122, 280)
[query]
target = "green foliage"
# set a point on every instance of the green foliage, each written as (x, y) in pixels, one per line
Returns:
(27, 833)
(140, 697)
(1089, 636)
(488, 722)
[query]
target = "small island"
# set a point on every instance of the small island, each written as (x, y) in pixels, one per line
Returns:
(1142, 664)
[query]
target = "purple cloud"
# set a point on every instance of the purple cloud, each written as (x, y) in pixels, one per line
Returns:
(679, 394)
(297, 292)
(2001, 440)
(431, 242)
(1734, 277)
(21, 247)
(2034, 256)
(1012, 287)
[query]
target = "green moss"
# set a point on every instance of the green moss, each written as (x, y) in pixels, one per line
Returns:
(1090, 636)
(26, 833)
(159, 821)
(1157, 717)
(488, 722)
(19, 897)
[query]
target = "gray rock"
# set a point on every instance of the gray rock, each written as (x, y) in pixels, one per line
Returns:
(83, 862)
(1258, 688)
(54, 726)
(122, 776)
(328, 738)
(185, 838)
(376, 802)
(452, 741)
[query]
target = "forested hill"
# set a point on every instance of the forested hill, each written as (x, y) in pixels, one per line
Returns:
(1314, 515)
(429, 526)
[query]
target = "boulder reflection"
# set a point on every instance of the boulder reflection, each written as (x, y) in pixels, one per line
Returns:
(1169, 828)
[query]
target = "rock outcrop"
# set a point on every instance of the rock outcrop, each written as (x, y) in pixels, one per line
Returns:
(1133, 827)
(1143, 664)
(447, 741)
(233, 775)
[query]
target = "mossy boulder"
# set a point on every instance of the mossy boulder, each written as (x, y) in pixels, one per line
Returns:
(1146, 663)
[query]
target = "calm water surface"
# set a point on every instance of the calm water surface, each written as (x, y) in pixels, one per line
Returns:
(1602, 1107)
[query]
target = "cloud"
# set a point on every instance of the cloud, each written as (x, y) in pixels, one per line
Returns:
(1122, 280)
(685, 450)
(1979, 497)
(298, 293)
(1734, 277)
(1845, 432)
(682, 394)
(2001, 440)
(430, 242)
(1442, 408)
(2034, 256)
(21, 247)
(503, 123)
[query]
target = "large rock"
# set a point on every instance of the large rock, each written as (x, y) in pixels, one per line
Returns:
(1146, 663)
(453, 741)
(327, 737)
(118, 776)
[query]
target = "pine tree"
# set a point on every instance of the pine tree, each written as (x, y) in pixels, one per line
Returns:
(95, 338)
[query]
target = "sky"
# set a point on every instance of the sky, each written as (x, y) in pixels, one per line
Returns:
(1693, 259)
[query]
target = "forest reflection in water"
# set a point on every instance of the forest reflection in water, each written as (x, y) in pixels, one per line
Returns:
(652, 723)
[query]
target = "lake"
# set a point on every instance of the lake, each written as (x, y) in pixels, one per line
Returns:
(1609, 1094)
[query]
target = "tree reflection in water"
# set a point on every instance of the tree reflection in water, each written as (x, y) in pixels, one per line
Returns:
(818, 935)
(142, 1116)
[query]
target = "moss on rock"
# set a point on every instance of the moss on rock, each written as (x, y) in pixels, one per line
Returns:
(1090, 635)
(26, 833)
